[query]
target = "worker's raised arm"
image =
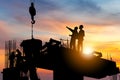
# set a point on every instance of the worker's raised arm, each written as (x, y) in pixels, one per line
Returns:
(69, 28)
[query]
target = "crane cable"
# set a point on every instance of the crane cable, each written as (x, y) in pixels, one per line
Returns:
(32, 12)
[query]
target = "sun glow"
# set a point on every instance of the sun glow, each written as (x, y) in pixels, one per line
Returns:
(88, 51)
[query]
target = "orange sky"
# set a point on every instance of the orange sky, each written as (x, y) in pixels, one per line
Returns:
(101, 38)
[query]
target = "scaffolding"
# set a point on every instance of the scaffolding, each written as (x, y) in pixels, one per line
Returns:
(10, 46)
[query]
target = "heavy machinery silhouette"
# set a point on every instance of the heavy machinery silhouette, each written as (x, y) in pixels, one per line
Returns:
(65, 63)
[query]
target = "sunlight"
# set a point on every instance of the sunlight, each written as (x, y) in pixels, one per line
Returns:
(88, 51)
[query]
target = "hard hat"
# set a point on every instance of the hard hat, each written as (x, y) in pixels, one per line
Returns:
(81, 26)
(76, 27)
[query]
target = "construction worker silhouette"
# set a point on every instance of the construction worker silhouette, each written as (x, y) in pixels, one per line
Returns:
(19, 58)
(73, 37)
(81, 35)
(32, 12)
(12, 59)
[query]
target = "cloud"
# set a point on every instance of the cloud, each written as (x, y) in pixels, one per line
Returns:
(77, 5)
(74, 10)
(85, 11)
(89, 12)
(46, 6)
(4, 29)
(83, 6)
(5, 33)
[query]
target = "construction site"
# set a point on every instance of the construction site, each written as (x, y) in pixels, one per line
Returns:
(67, 62)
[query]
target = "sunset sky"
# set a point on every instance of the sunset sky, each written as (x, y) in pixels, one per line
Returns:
(101, 20)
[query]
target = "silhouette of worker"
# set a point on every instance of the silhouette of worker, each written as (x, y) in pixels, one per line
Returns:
(31, 48)
(32, 12)
(73, 37)
(81, 35)
(19, 58)
(12, 59)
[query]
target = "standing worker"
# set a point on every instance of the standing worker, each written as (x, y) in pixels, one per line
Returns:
(73, 37)
(81, 35)
(32, 12)
(12, 59)
(19, 58)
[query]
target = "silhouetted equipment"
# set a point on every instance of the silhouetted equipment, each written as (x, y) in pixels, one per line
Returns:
(31, 48)
(11, 74)
(63, 42)
(32, 12)
(32, 51)
(66, 63)
(70, 64)
(98, 54)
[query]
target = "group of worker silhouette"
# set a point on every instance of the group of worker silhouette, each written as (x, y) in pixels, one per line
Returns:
(24, 62)
(77, 36)
(15, 58)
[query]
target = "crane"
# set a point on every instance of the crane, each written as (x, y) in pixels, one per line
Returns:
(32, 12)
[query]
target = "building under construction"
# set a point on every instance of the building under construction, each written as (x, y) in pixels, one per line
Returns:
(66, 63)
(10, 46)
